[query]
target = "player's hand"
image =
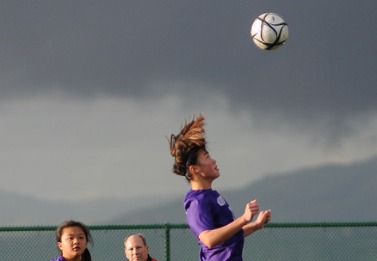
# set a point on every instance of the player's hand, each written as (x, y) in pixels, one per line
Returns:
(263, 218)
(251, 209)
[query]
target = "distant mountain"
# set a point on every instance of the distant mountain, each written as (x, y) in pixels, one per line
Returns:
(328, 193)
(22, 210)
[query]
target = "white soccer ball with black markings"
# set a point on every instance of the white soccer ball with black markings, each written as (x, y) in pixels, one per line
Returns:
(269, 31)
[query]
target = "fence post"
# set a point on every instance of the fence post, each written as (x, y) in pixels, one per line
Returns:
(167, 242)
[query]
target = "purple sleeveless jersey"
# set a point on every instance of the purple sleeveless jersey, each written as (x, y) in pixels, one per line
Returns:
(206, 210)
(60, 258)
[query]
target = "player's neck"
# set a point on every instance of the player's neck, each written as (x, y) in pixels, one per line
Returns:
(197, 185)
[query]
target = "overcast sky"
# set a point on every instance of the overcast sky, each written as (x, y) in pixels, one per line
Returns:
(90, 90)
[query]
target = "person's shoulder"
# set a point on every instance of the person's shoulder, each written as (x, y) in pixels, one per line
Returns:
(59, 258)
(200, 196)
(151, 258)
(199, 192)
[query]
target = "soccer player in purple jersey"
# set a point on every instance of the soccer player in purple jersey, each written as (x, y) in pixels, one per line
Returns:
(72, 238)
(219, 233)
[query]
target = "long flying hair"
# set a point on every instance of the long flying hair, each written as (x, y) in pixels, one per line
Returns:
(184, 146)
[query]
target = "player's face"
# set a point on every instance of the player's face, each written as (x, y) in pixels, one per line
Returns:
(207, 165)
(73, 243)
(135, 249)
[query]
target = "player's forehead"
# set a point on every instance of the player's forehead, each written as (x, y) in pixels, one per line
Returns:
(72, 231)
(203, 153)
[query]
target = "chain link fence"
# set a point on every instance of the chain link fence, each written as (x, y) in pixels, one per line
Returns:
(173, 242)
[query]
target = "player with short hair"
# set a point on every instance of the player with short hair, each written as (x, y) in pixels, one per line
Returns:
(136, 248)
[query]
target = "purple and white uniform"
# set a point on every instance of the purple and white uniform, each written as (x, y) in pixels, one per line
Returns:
(206, 210)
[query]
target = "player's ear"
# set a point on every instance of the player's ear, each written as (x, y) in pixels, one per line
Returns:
(193, 169)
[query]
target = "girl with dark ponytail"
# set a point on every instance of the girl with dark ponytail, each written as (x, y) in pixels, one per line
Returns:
(72, 238)
(219, 234)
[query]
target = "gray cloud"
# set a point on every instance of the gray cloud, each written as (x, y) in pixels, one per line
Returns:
(90, 89)
(323, 76)
(72, 149)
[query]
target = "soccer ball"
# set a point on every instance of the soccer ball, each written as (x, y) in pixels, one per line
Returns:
(269, 31)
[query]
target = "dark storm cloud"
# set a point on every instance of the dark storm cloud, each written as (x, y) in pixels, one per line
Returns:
(327, 69)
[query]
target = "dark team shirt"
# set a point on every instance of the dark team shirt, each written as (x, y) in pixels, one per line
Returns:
(206, 210)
